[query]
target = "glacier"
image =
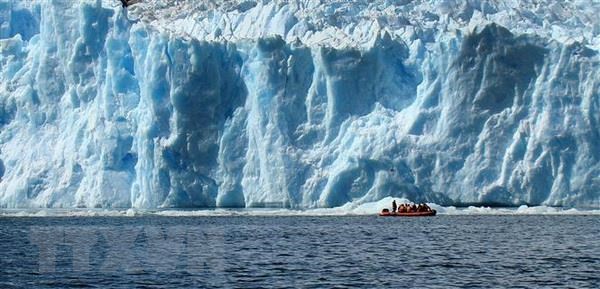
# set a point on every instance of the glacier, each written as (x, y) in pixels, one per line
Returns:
(298, 104)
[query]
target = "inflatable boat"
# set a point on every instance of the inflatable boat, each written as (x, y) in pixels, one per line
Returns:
(387, 213)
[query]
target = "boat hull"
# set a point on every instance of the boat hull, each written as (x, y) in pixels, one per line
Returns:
(415, 214)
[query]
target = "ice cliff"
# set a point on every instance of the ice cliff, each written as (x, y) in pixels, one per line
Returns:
(298, 104)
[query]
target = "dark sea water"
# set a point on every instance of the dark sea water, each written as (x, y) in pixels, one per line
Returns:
(301, 252)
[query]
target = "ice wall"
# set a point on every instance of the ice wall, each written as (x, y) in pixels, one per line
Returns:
(102, 107)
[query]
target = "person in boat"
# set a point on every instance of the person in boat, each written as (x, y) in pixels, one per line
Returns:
(402, 208)
(394, 206)
(413, 208)
(426, 208)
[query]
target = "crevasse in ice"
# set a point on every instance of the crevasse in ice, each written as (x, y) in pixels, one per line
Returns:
(298, 104)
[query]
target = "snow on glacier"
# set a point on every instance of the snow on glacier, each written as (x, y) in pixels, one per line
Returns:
(299, 104)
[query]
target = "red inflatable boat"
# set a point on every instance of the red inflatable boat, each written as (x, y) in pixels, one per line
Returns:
(387, 213)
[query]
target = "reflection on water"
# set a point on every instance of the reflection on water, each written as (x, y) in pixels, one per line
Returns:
(304, 252)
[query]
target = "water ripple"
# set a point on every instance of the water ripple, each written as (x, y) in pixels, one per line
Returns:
(301, 252)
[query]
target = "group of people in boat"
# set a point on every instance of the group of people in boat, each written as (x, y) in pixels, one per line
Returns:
(410, 208)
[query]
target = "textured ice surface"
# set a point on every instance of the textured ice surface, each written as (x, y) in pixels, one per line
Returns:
(298, 104)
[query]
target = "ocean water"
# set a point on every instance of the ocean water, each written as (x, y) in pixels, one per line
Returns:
(471, 251)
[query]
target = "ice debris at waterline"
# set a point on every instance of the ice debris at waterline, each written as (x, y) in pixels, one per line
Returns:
(298, 104)
(370, 209)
